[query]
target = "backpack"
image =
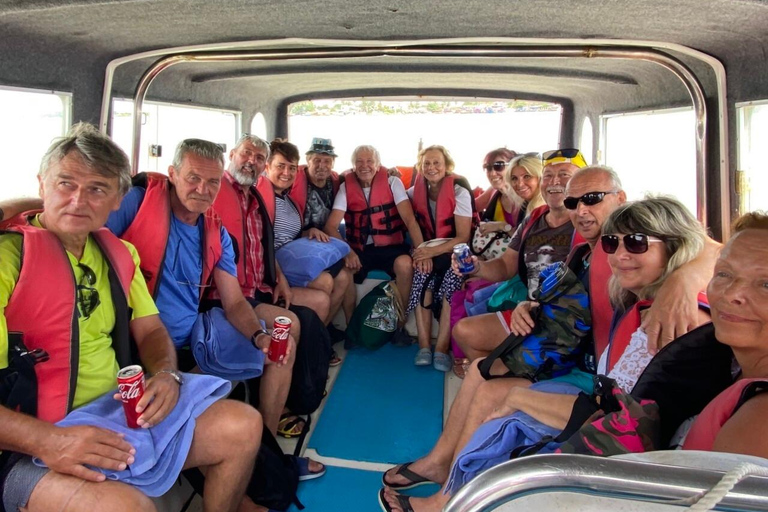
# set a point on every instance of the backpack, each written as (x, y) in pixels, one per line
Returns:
(376, 318)
(273, 482)
(310, 369)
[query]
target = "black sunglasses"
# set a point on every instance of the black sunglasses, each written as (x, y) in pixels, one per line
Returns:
(636, 243)
(560, 153)
(589, 199)
(87, 296)
(495, 166)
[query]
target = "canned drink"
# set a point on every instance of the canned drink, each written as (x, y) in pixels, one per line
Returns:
(279, 344)
(130, 385)
(464, 258)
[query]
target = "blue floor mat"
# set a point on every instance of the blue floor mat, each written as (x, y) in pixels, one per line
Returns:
(382, 408)
(344, 489)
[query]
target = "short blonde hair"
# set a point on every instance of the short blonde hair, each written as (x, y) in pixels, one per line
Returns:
(450, 165)
(665, 218)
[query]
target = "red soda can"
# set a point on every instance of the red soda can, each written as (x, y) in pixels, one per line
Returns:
(279, 344)
(130, 385)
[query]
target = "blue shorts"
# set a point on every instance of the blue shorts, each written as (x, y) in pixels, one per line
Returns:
(18, 478)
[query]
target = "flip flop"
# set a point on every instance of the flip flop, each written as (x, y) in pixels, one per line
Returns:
(304, 472)
(415, 478)
(287, 424)
(402, 500)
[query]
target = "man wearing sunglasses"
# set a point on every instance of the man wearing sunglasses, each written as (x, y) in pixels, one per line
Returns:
(73, 310)
(544, 237)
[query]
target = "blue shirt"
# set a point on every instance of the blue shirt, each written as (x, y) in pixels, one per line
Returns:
(178, 297)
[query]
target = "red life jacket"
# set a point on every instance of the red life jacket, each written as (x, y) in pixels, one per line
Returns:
(377, 216)
(300, 189)
(267, 192)
(227, 207)
(708, 424)
(444, 225)
(43, 308)
(150, 229)
(535, 215)
(625, 325)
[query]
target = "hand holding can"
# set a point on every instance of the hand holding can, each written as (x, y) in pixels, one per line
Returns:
(464, 260)
(279, 344)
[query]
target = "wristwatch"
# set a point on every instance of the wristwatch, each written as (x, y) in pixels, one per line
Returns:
(173, 373)
(507, 228)
(259, 332)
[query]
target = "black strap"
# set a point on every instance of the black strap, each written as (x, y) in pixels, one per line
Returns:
(498, 235)
(508, 345)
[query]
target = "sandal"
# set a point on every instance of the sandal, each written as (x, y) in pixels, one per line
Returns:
(335, 359)
(304, 472)
(287, 426)
(460, 367)
(402, 500)
(403, 470)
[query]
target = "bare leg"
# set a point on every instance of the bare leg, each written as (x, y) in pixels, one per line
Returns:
(323, 282)
(273, 392)
(444, 329)
(65, 493)
(350, 298)
(341, 283)
(403, 268)
(479, 335)
(424, 322)
(227, 437)
(316, 300)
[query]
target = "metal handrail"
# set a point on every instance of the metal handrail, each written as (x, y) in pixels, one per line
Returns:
(613, 478)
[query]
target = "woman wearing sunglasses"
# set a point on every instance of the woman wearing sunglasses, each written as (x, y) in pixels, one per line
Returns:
(516, 191)
(646, 241)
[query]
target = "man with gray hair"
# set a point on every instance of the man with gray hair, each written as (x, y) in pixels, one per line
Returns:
(185, 249)
(82, 293)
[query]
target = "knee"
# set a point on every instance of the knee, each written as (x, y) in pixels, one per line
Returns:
(295, 323)
(323, 282)
(403, 266)
(239, 427)
(473, 374)
(128, 499)
(459, 331)
(343, 279)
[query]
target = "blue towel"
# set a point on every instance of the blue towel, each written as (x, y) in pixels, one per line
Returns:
(222, 350)
(162, 449)
(302, 260)
(493, 442)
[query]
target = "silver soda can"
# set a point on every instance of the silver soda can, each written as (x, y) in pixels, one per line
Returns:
(464, 258)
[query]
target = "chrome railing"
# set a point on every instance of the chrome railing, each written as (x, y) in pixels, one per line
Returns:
(612, 478)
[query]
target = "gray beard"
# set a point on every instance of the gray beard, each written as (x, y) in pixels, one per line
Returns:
(242, 178)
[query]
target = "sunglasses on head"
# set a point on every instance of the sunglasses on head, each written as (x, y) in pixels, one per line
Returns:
(495, 166)
(560, 153)
(636, 243)
(87, 296)
(589, 199)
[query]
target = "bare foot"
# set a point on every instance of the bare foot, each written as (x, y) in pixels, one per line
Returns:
(433, 503)
(421, 467)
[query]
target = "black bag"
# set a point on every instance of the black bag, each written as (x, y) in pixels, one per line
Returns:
(684, 376)
(274, 480)
(310, 370)
(18, 381)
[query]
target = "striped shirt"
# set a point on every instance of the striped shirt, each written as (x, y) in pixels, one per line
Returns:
(287, 221)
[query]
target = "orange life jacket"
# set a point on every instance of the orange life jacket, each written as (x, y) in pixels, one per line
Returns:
(267, 192)
(150, 229)
(377, 217)
(300, 189)
(43, 309)
(623, 326)
(443, 226)
(227, 206)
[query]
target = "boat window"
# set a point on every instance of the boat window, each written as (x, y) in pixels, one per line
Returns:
(31, 120)
(468, 129)
(164, 125)
(752, 170)
(653, 153)
(587, 141)
(259, 126)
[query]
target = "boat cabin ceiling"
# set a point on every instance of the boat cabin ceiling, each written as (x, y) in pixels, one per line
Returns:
(88, 34)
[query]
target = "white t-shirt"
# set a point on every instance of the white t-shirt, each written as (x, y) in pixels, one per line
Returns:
(398, 192)
(463, 202)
